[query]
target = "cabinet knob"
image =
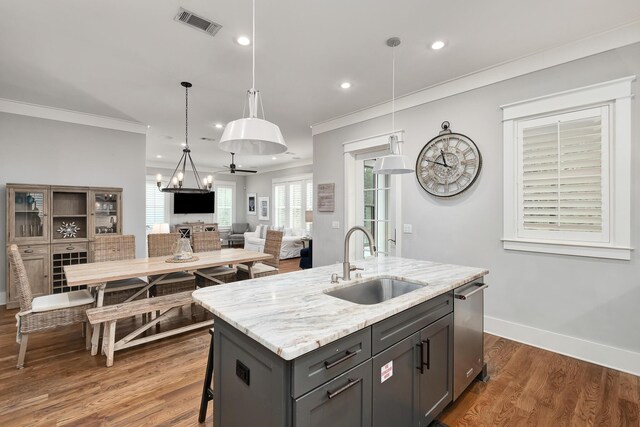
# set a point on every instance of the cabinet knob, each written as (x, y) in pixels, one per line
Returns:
(28, 251)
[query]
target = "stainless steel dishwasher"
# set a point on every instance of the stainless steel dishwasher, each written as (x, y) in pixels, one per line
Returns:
(468, 341)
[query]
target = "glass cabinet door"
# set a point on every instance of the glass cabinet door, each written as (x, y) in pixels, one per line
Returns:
(107, 217)
(28, 220)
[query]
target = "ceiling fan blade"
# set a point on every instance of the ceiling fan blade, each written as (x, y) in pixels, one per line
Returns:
(246, 171)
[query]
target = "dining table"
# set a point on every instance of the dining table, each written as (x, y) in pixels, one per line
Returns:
(95, 276)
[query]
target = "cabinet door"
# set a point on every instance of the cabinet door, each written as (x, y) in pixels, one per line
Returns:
(106, 212)
(36, 262)
(27, 220)
(436, 369)
(395, 386)
(342, 402)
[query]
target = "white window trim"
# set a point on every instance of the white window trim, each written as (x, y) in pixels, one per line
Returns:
(618, 94)
(167, 200)
(284, 180)
(234, 209)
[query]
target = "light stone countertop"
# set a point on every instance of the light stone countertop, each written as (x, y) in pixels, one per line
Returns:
(291, 315)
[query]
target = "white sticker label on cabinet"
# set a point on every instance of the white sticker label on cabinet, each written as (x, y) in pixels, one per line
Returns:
(386, 372)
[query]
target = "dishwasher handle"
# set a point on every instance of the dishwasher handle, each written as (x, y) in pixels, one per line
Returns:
(477, 287)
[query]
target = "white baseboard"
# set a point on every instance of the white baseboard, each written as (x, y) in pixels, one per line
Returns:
(3, 298)
(600, 354)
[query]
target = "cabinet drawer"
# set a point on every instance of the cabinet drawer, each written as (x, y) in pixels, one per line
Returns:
(345, 401)
(26, 250)
(61, 248)
(325, 363)
(394, 329)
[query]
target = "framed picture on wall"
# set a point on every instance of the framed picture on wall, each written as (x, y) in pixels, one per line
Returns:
(251, 203)
(263, 208)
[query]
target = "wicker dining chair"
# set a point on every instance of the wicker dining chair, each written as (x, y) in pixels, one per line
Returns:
(163, 245)
(272, 246)
(116, 248)
(48, 311)
(208, 241)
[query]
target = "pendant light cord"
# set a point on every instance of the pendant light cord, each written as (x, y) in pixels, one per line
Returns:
(393, 89)
(253, 48)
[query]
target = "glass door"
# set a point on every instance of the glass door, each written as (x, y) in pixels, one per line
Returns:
(106, 212)
(376, 206)
(28, 221)
(377, 212)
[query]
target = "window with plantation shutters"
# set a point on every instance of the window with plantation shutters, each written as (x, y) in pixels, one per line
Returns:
(292, 196)
(155, 205)
(564, 169)
(224, 204)
(567, 172)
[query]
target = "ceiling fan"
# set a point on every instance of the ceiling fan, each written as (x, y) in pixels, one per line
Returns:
(233, 169)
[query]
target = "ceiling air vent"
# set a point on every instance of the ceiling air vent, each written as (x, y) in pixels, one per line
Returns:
(195, 21)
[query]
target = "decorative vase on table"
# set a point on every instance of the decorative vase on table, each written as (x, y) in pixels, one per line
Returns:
(183, 250)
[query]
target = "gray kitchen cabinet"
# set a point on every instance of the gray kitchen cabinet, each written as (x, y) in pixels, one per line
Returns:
(395, 385)
(398, 372)
(342, 402)
(436, 369)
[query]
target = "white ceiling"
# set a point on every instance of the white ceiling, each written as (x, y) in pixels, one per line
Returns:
(125, 59)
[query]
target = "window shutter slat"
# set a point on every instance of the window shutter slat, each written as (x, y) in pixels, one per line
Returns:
(561, 173)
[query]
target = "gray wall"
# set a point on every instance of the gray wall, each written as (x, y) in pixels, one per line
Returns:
(261, 184)
(593, 299)
(39, 151)
(190, 181)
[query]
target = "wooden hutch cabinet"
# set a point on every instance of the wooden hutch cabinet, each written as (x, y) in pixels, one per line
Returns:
(53, 227)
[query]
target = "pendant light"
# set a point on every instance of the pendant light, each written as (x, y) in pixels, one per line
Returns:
(175, 184)
(251, 135)
(396, 162)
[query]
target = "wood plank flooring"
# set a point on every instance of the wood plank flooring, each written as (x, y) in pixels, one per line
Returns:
(160, 383)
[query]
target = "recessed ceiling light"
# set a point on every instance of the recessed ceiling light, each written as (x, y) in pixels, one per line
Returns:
(184, 144)
(158, 156)
(219, 126)
(239, 166)
(345, 85)
(243, 41)
(274, 158)
(437, 45)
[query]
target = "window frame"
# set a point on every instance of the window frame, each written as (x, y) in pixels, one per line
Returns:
(151, 181)
(286, 182)
(226, 184)
(617, 94)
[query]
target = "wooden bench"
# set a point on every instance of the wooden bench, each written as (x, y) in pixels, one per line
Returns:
(110, 314)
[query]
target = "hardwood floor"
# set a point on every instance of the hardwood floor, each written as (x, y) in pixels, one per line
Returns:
(160, 383)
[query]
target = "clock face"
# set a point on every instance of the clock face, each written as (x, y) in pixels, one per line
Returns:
(448, 165)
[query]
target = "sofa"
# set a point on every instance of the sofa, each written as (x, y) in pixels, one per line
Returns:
(291, 243)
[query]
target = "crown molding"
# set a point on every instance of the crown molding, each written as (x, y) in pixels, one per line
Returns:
(602, 42)
(69, 116)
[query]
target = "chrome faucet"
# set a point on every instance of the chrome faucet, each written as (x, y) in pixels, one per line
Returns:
(346, 265)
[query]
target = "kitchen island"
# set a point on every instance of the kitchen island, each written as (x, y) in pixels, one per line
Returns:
(288, 354)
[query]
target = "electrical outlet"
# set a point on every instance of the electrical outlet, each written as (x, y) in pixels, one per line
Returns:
(335, 224)
(407, 228)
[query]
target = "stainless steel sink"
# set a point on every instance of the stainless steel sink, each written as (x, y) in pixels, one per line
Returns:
(375, 291)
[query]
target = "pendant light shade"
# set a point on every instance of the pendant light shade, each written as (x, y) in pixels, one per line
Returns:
(396, 162)
(251, 135)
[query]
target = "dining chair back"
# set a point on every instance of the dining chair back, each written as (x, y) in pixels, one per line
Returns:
(162, 244)
(272, 246)
(206, 241)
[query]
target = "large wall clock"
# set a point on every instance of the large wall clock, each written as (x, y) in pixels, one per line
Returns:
(448, 164)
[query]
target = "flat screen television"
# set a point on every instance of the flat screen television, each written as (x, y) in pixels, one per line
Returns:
(193, 203)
